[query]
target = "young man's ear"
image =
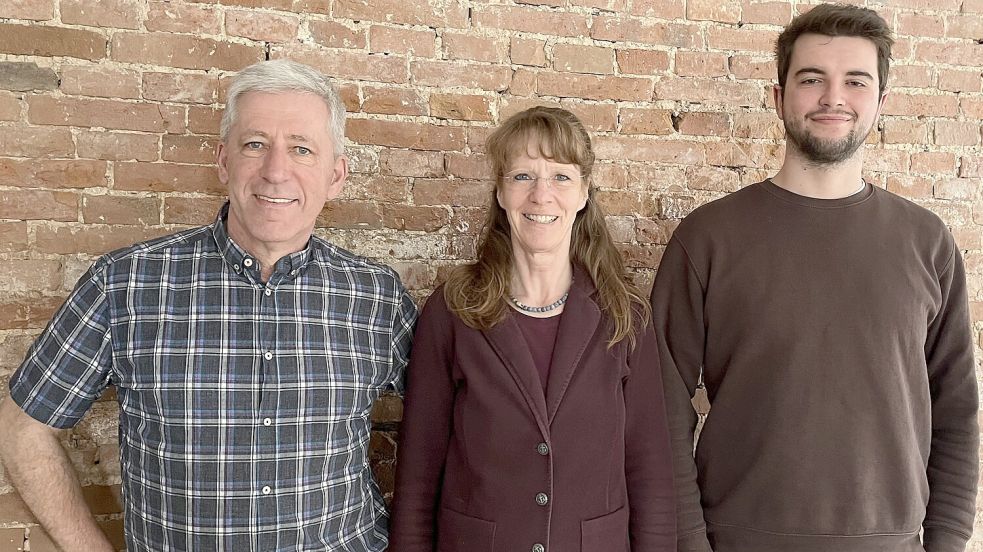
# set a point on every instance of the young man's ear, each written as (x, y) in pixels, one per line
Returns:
(883, 100)
(776, 91)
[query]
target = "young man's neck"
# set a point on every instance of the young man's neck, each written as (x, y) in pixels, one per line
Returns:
(805, 178)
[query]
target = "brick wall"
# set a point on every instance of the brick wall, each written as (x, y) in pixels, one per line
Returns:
(109, 111)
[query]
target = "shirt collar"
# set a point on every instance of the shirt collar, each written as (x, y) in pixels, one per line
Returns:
(241, 261)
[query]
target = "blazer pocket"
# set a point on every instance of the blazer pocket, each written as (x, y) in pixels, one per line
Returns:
(457, 532)
(606, 533)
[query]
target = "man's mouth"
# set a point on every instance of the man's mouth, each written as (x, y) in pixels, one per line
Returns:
(833, 117)
(542, 219)
(276, 200)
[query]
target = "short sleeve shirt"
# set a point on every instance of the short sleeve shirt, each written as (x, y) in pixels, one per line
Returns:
(244, 405)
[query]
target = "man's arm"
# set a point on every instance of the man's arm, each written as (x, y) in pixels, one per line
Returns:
(43, 475)
(677, 309)
(403, 324)
(953, 463)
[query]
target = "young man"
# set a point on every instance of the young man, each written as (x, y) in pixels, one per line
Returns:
(246, 356)
(828, 320)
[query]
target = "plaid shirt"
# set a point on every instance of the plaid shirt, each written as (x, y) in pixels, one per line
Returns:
(244, 406)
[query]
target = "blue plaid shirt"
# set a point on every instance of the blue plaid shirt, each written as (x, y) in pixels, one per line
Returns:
(244, 406)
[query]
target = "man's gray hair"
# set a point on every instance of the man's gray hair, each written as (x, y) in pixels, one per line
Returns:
(283, 75)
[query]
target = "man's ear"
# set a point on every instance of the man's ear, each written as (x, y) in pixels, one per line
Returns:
(881, 102)
(777, 91)
(222, 160)
(339, 174)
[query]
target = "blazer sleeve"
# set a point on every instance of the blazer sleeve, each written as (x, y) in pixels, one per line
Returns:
(677, 310)
(648, 456)
(425, 431)
(953, 464)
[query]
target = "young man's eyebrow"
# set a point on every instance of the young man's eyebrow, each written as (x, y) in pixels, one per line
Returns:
(818, 71)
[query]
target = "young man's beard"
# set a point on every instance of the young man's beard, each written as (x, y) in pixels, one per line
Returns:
(821, 151)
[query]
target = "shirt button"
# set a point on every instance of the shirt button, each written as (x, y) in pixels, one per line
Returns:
(542, 499)
(247, 262)
(235, 267)
(268, 292)
(267, 422)
(267, 490)
(268, 355)
(538, 548)
(543, 449)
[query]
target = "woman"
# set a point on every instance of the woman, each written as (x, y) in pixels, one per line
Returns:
(534, 418)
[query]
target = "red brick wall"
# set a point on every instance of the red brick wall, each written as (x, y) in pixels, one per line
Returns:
(109, 110)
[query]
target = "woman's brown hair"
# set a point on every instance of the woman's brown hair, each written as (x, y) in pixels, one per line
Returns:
(477, 292)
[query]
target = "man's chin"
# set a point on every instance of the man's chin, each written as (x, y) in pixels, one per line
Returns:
(828, 152)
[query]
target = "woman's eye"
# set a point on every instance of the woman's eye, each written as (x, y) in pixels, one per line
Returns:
(562, 178)
(521, 176)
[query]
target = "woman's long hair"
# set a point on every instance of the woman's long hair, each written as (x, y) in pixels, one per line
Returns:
(477, 292)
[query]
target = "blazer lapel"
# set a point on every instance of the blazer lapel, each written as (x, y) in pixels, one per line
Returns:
(510, 346)
(578, 323)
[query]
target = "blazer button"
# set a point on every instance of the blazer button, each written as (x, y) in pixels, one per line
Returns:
(538, 548)
(543, 449)
(542, 499)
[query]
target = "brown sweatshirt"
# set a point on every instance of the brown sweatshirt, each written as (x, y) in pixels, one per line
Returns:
(835, 344)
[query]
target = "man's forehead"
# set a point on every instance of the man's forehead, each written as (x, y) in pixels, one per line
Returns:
(817, 50)
(279, 100)
(298, 114)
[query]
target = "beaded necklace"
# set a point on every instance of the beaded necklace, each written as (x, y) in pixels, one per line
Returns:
(552, 306)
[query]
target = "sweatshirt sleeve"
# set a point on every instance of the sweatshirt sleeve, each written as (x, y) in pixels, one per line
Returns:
(953, 464)
(677, 308)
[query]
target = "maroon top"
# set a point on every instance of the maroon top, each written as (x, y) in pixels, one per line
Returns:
(490, 463)
(540, 335)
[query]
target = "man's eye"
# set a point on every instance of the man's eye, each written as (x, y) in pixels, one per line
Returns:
(303, 151)
(254, 145)
(810, 81)
(860, 84)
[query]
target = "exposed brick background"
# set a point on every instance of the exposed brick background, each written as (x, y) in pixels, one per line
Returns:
(109, 113)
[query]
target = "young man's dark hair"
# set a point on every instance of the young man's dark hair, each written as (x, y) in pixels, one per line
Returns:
(837, 20)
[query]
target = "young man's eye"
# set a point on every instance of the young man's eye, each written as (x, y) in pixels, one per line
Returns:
(860, 84)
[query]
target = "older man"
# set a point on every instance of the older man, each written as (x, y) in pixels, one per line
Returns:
(246, 355)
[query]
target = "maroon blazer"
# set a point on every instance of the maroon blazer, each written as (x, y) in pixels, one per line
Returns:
(488, 463)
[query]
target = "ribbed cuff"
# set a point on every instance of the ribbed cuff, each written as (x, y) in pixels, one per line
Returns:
(938, 539)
